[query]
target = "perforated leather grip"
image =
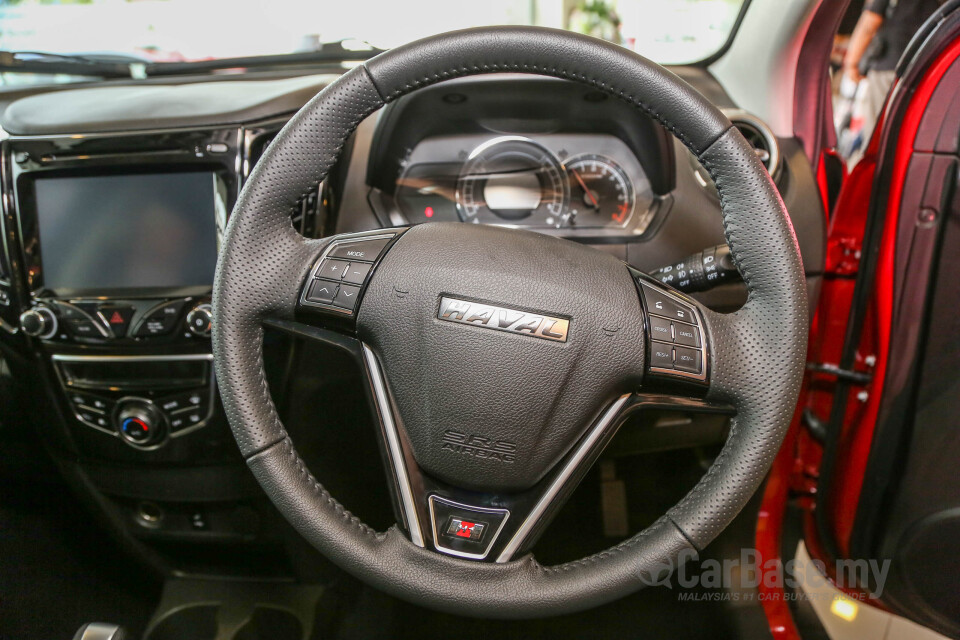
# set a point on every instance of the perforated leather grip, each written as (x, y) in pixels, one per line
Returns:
(758, 351)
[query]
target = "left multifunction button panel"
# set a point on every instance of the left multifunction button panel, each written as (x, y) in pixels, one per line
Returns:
(338, 278)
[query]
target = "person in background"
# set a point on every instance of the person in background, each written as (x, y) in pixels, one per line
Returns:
(882, 34)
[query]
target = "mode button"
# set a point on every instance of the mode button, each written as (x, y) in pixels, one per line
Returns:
(365, 250)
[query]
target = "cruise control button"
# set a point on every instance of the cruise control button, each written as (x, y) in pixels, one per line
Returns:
(366, 250)
(688, 360)
(686, 334)
(322, 291)
(332, 269)
(347, 296)
(662, 305)
(661, 355)
(660, 329)
(356, 272)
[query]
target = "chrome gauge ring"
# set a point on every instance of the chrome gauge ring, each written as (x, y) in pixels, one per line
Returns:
(513, 180)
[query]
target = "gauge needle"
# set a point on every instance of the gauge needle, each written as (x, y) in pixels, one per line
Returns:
(576, 174)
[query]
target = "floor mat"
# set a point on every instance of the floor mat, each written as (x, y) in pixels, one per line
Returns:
(59, 570)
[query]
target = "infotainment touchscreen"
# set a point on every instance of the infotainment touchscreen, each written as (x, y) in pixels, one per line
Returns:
(127, 231)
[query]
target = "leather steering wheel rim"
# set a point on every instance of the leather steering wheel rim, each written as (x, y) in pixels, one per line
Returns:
(758, 351)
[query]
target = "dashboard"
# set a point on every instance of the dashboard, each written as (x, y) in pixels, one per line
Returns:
(115, 196)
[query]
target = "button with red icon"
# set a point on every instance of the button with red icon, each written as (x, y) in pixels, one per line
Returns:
(117, 318)
(464, 529)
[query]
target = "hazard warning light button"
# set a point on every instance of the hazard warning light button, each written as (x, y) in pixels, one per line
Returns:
(116, 317)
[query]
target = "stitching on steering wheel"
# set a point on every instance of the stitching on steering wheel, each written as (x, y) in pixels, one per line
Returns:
(305, 474)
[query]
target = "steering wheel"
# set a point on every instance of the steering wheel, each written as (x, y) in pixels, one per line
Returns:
(500, 362)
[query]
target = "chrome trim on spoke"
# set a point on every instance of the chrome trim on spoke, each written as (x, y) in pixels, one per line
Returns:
(558, 483)
(384, 408)
(57, 357)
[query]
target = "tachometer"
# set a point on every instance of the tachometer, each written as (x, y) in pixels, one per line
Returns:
(601, 194)
(512, 180)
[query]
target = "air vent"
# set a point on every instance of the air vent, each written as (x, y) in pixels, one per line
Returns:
(308, 218)
(760, 137)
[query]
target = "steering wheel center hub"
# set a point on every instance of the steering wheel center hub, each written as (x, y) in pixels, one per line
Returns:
(500, 348)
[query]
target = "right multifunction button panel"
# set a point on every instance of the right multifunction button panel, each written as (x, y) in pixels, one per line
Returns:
(338, 278)
(675, 331)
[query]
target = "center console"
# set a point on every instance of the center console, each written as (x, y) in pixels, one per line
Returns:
(107, 261)
(119, 239)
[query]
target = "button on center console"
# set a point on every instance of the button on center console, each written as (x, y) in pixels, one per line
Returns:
(200, 320)
(160, 320)
(119, 322)
(142, 399)
(117, 318)
(139, 422)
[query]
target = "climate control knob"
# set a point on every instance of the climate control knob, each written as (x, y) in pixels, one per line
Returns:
(139, 422)
(39, 322)
(200, 320)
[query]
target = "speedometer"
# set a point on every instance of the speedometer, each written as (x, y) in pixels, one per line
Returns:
(601, 194)
(512, 180)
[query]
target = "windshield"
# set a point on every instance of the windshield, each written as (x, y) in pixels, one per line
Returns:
(667, 31)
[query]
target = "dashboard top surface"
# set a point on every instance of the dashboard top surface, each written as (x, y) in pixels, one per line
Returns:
(109, 108)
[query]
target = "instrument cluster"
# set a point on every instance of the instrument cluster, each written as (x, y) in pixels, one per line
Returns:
(567, 182)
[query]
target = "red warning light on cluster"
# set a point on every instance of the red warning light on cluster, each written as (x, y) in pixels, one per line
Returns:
(428, 212)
